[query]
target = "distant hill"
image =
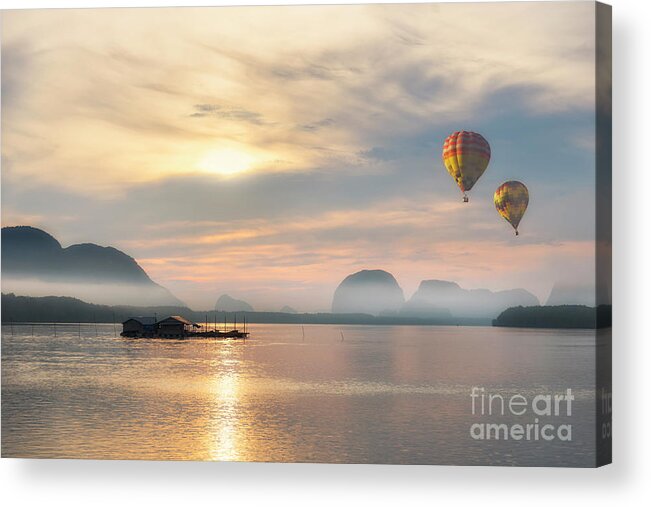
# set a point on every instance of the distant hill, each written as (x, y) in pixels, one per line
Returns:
(225, 303)
(377, 292)
(68, 309)
(287, 309)
(563, 316)
(35, 263)
(439, 295)
(368, 291)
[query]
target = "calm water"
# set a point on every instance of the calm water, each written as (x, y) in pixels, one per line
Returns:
(383, 395)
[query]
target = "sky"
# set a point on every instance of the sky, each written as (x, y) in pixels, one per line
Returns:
(269, 152)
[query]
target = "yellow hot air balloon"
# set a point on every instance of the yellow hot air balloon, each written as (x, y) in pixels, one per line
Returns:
(511, 201)
(466, 156)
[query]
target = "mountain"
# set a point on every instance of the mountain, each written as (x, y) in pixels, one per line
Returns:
(225, 303)
(369, 291)
(287, 309)
(565, 293)
(68, 309)
(35, 263)
(477, 303)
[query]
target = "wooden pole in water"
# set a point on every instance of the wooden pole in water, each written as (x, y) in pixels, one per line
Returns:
(115, 331)
(235, 321)
(79, 329)
(32, 330)
(55, 329)
(342, 336)
(303, 329)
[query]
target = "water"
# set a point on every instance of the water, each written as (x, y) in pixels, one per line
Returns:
(385, 394)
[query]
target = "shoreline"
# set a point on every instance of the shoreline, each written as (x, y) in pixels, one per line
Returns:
(66, 310)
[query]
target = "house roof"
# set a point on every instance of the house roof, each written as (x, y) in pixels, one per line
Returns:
(145, 321)
(178, 318)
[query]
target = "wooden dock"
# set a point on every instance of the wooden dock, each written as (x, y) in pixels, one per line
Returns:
(234, 334)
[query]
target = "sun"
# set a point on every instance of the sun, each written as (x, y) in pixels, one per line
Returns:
(228, 161)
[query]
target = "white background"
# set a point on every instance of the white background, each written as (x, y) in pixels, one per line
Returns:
(626, 482)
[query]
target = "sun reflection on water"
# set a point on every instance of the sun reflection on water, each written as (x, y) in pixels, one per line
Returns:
(224, 445)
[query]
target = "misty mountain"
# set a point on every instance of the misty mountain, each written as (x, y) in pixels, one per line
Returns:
(369, 291)
(423, 309)
(566, 293)
(438, 295)
(35, 263)
(225, 303)
(288, 309)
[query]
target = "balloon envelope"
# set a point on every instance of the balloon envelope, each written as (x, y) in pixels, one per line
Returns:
(511, 201)
(466, 156)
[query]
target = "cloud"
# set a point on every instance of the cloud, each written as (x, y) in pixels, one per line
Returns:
(227, 113)
(15, 64)
(379, 153)
(317, 125)
(119, 116)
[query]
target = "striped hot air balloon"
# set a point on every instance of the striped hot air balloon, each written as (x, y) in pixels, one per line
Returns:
(466, 156)
(511, 201)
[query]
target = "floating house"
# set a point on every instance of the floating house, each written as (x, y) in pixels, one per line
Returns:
(175, 327)
(139, 326)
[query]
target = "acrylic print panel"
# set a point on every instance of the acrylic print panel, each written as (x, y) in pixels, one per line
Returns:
(342, 234)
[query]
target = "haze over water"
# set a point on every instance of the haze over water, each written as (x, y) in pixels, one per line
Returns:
(389, 394)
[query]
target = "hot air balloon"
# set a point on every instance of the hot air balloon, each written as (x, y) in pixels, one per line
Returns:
(511, 201)
(466, 156)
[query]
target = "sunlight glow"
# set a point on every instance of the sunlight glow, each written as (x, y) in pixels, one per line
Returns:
(228, 161)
